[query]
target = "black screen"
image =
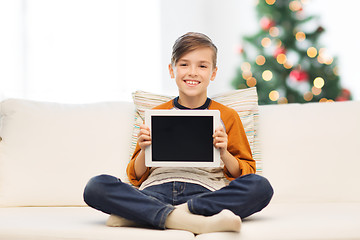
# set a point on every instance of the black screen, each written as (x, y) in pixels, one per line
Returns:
(182, 138)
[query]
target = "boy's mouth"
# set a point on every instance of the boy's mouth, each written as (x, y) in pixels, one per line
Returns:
(191, 82)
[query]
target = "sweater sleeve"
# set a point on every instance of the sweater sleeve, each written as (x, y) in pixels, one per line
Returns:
(130, 170)
(238, 144)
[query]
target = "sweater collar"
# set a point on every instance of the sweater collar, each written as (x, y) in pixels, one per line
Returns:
(204, 106)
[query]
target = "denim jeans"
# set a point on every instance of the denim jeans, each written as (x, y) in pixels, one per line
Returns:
(244, 196)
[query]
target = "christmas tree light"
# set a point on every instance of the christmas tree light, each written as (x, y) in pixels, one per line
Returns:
(285, 60)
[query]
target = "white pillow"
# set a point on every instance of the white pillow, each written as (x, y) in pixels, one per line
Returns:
(49, 151)
(244, 101)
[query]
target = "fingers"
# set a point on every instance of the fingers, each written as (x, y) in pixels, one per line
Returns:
(220, 132)
(144, 138)
(220, 138)
(144, 130)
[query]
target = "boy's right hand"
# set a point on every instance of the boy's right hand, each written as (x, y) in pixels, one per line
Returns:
(144, 138)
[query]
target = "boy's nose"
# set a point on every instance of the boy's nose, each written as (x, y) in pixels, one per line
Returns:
(193, 71)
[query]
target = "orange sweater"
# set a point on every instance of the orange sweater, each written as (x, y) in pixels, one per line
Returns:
(238, 144)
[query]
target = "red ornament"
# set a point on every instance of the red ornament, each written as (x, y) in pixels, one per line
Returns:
(298, 75)
(240, 49)
(344, 96)
(345, 93)
(279, 50)
(266, 23)
(341, 99)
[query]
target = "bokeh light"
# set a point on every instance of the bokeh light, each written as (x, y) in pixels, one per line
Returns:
(246, 75)
(267, 75)
(274, 95)
(319, 82)
(260, 60)
(270, 2)
(246, 67)
(311, 52)
(288, 65)
(274, 31)
(283, 100)
(324, 57)
(251, 82)
(316, 91)
(295, 6)
(308, 96)
(281, 58)
(300, 36)
(266, 42)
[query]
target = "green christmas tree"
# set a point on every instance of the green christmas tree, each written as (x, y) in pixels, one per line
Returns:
(284, 59)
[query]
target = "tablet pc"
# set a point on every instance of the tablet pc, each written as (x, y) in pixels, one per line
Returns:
(182, 138)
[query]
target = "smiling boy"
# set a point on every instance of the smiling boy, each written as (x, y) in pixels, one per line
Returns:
(199, 200)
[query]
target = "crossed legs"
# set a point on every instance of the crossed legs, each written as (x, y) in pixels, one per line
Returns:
(216, 211)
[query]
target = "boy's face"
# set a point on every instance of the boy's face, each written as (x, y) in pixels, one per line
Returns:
(193, 72)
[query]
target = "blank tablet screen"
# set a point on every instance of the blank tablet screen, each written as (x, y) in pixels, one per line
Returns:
(182, 138)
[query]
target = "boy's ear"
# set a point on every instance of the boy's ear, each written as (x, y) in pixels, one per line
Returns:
(171, 71)
(213, 75)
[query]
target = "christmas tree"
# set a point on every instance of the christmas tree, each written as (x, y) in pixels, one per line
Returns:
(285, 60)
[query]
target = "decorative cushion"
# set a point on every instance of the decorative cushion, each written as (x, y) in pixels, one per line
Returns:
(244, 101)
(49, 151)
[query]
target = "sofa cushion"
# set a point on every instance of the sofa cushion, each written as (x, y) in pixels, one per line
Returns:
(311, 151)
(72, 223)
(49, 151)
(301, 221)
(276, 222)
(244, 101)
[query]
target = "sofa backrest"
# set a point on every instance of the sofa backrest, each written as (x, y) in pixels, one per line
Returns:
(311, 152)
(49, 151)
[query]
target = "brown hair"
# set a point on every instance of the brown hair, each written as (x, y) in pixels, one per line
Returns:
(190, 42)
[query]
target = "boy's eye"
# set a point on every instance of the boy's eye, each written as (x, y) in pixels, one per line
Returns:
(183, 64)
(203, 66)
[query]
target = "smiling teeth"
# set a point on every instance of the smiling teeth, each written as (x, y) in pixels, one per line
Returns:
(192, 82)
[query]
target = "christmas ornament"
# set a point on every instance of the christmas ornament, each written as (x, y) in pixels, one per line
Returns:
(345, 93)
(344, 96)
(278, 51)
(240, 49)
(341, 99)
(266, 23)
(298, 75)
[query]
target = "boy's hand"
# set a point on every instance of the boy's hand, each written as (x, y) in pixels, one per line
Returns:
(220, 139)
(144, 138)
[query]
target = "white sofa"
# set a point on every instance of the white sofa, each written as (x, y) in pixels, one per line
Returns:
(310, 154)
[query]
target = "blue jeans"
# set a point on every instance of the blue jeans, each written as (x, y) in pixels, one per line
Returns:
(244, 196)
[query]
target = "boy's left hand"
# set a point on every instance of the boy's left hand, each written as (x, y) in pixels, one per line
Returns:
(220, 139)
